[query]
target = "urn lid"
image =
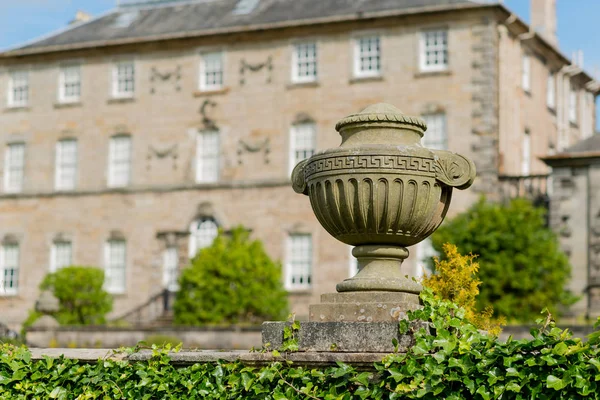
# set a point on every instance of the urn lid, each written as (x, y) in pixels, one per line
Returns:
(382, 112)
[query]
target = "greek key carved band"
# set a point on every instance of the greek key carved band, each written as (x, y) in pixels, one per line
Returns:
(397, 162)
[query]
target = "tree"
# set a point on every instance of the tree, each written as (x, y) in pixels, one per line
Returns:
(81, 297)
(232, 281)
(521, 266)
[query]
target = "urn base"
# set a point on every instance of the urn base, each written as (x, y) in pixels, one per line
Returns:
(379, 269)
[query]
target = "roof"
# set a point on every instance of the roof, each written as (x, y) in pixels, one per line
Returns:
(585, 149)
(165, 19)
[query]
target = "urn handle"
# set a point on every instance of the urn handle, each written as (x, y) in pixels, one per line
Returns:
(453, 169)
(298, 181)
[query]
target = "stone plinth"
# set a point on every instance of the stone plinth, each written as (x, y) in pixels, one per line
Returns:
(348, 337)
(363, 307)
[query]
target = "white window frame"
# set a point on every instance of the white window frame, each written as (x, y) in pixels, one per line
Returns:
(437, 50)
(69, 76)
(65, 170)
(303, 142)
(18, 80)
(115, 271)
(119, 161)
(304, 63)
(359, 72)
(171, 269)
(208, 155)
(14, 169)
(352, 263)
(203, 232)
(436, 135)
(299, 267)
(572, 105)
(120, 87)
(551, 91)
(526, 154)
(526, 73)
(61, 255)
(423, 252)
(216, 70)
(4, 289)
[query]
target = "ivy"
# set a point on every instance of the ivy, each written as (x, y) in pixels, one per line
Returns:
(451, 359)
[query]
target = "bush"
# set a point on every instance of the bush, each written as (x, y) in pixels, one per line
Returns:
(450, 360)
(232, 281)
(82, 301)
(455, 280)
(522, 268)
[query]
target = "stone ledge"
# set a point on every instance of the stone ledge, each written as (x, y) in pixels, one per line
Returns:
(189, 357)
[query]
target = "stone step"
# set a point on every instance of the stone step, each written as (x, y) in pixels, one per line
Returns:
(360, 312)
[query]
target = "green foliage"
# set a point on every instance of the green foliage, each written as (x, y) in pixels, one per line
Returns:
(449, 360)
(455, 280)
(522, 268)
(80, 294)
(232, 281)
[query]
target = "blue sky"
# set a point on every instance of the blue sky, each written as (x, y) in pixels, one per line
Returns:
(23, 20)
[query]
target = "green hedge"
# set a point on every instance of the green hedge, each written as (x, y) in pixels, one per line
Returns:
(451, 361)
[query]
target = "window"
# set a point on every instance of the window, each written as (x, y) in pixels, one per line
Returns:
(115, 265)
(211, 71)
(18, 89)
(207, 154)
(551, 91)
(434, 50)
(526, 154)
(302, 142)
(299, 262)
(304, 63)
(60, 255)
(66, 164)
(119, 161)
(424, 253)
(352, 263)
(367, 57)
(170, 269)
(69, 89)
(123, 79)
(436, 136)
(9, 269)
(14, 165)
(526, 73)
(572, 105)
(203, 232)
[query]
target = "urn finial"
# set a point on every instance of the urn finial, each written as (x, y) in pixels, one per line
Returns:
(381, 191)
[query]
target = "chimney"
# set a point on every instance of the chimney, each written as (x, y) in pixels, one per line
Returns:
(543, 19)
(80, 16)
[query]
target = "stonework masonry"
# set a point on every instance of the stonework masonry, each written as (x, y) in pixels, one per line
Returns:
(486, 115)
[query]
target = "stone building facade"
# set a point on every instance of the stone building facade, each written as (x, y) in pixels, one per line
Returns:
(575, 216)
(130, 138)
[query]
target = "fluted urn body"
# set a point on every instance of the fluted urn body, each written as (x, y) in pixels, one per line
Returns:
(381, 191)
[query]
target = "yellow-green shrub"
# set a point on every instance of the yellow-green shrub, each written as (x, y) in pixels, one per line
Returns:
(455, 279)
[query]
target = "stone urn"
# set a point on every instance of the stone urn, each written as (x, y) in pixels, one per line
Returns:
(381, 191)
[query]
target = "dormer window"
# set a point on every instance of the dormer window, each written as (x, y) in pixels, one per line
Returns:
(126, 18)
(245, 7)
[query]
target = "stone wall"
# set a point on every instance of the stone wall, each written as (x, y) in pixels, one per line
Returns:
(102, 337)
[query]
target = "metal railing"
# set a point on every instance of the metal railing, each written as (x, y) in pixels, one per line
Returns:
(157, 306)
(531, 187)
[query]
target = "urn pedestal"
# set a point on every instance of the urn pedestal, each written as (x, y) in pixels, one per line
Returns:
(379, 191)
